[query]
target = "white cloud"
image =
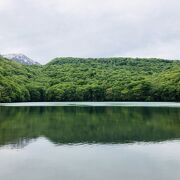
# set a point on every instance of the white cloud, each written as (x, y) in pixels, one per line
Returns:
(168, 50)
(4, 4)
(45, 29)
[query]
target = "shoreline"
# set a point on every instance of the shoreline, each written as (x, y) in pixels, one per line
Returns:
(94, 104)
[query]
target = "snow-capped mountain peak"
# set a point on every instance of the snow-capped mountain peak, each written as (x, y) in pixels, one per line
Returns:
(21, 58)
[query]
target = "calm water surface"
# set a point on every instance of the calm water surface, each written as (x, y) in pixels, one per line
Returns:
(89, 143)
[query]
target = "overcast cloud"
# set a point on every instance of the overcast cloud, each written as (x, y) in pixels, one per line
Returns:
(44, 29)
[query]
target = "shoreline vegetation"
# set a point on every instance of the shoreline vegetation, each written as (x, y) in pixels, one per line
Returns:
(98, 79)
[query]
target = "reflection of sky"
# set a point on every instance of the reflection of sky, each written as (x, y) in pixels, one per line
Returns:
(94, 104)
(41, 159)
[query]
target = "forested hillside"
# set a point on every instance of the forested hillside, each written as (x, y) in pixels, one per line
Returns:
(77, 79)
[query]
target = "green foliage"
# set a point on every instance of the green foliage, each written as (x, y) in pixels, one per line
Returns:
(103, 79)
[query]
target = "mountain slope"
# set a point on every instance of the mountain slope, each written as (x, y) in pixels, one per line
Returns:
(78, 79)
(14, 80)
(21, 58)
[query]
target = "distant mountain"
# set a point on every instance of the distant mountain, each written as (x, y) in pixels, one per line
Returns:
(21, 58)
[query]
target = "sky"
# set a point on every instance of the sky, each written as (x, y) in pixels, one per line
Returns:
(45, 29)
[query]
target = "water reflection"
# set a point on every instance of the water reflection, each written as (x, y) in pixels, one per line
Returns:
(104, 125)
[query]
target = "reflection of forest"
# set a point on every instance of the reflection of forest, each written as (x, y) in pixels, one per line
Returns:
(88, 124)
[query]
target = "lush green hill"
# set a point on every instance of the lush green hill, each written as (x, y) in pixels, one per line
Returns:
(78, 79)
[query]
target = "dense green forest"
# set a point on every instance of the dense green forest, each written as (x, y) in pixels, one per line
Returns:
(103, 79)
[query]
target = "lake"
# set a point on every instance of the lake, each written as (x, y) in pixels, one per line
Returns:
(90, 141)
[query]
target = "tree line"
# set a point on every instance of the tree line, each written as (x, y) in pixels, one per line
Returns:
(80, 79)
